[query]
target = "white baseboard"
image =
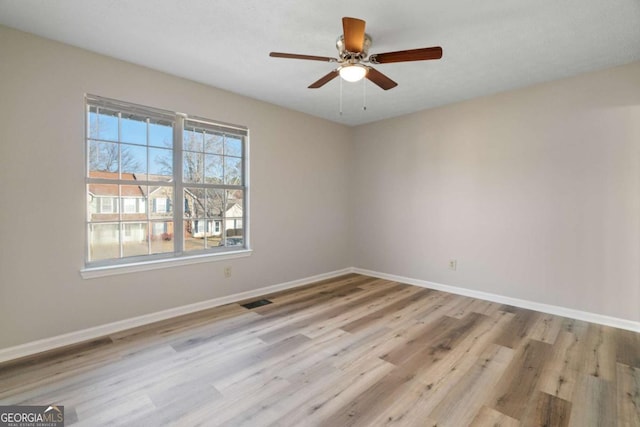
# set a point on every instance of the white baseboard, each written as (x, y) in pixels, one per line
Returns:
(58, 341)
(601, 319)
(76, 337)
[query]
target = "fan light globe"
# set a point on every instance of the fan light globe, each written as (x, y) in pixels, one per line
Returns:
(353, 73)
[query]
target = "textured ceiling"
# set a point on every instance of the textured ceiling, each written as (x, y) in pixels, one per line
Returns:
(489, 46)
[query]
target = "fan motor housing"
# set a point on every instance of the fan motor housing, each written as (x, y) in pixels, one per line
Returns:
(345, 54)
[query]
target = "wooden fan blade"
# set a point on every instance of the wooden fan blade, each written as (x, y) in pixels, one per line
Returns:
(296, 56)
(353, 30)
(407, 55)
(324, 80)
(380, 79)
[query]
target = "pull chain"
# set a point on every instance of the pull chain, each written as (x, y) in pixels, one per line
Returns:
(340, 95)
(364, 94)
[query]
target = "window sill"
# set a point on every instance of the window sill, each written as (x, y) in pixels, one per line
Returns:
(112, 270)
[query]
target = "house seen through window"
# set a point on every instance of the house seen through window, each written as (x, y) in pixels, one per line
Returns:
(161, 184)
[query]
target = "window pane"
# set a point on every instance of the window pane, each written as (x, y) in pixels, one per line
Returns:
(133, 129)
(215, 203)
(104, 241)
(103, 124)
(192, 167)
(160, 202)
(95, 208)
(232, 146)
(134, 162)
(233, 170)
(213, 169)
(194, 202)
(161, 134)
(235, 202)
(233, 223)
(133, 202)
(192, 140)
(234, 240)
(102, 202)
(161, 237)
(103, 157)
(160, 164)
(193, 234)
(212, 239)
(134, 239)
(213, 143)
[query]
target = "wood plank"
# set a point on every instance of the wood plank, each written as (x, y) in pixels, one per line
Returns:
(463, 402)
(316, 395)
(233, 403)
(594, 403)
(296, 298)
(518, 384)
(574, 326)
(28, 373)
(301, 359)
(627, 348)
(365, 407)
(431, 385)
(438, 338)
(549, 411)
(428, 332)
(381, 314)
(600, 352)
(379, 347)
(462, 307)
(519, 328)
(346, 304)
(94, 379)
(485, 307)
(546, 328)
(379, 303)
(488, 417)
(118, 409)
(560, 374)
(628, 395)
(410, 362)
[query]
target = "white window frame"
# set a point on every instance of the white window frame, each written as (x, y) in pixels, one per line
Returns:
(179, 256)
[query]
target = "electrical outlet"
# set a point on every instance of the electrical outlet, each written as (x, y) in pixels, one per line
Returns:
(227, 272)
(453, 264)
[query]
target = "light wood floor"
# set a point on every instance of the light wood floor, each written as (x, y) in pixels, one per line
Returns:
(347, 351)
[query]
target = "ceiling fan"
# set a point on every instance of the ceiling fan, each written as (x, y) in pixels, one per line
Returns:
(353, 46)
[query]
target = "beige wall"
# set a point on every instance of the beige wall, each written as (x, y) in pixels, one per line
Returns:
(299, 201)
(535, 192)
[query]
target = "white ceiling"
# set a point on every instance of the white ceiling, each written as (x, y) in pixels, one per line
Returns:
(489, 46)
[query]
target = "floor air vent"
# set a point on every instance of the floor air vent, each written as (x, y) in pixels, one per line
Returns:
(258, 303)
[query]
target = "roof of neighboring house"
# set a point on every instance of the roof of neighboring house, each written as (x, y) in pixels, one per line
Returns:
(106, 190)
(111, 190)
(110, 175)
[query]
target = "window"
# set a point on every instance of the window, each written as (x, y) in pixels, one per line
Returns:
(139, 162)
(160, 205)
(107, 205)
(129, 206)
